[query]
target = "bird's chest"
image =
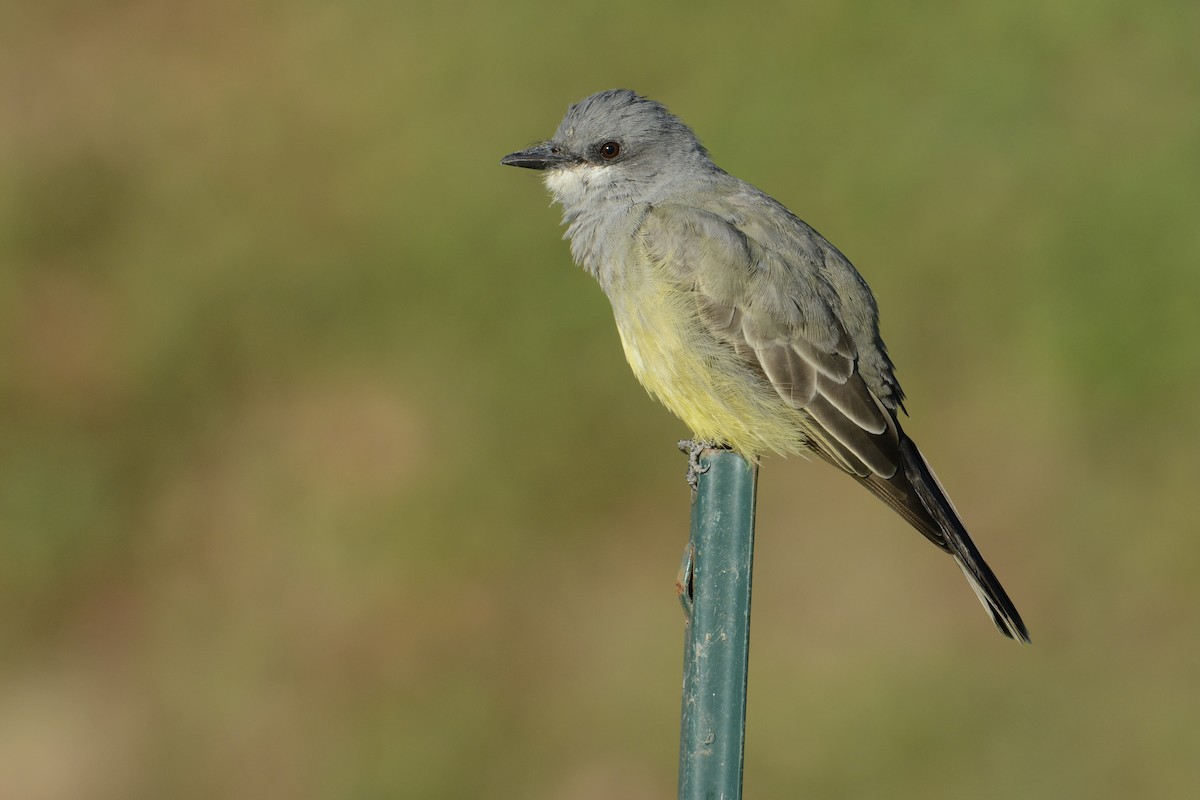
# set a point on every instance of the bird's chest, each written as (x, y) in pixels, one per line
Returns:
(667, 347)
(655, 319)
(699, 378)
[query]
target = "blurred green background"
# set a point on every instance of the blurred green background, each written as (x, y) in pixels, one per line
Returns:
(322, 474)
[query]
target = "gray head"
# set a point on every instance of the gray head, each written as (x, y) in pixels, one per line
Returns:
(616, 145)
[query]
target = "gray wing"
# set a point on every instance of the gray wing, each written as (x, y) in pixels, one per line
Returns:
(798, 313)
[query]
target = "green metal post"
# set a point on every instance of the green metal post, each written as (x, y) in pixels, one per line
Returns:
(715, 592)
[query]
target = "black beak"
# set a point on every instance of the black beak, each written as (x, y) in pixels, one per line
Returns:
(541, 156)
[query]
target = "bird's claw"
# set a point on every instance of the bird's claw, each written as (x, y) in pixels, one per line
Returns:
(693, 448)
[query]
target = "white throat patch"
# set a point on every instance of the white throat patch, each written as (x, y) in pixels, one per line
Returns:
(570, 185)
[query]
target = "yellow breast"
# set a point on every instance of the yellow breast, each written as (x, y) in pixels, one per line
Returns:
(701, 380)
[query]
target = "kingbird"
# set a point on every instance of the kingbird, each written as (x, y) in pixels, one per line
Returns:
(738, 316)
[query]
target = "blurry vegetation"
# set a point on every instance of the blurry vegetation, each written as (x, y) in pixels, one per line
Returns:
(322, 475)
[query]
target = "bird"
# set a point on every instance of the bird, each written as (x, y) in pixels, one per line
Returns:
(738, 316)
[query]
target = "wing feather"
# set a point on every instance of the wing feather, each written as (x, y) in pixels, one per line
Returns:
(794, 378)
(783, 319)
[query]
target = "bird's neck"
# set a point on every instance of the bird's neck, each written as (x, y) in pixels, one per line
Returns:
(600, 213)
(600, 236)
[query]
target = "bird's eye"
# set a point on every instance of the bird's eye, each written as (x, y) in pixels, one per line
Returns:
(610, 150)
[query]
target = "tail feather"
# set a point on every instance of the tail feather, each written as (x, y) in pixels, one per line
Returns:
(983, 581)
(914, 492)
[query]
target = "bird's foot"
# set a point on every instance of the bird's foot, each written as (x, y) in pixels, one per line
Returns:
(693, 448)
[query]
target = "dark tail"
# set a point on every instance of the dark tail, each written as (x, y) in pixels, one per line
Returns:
(917, 495)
